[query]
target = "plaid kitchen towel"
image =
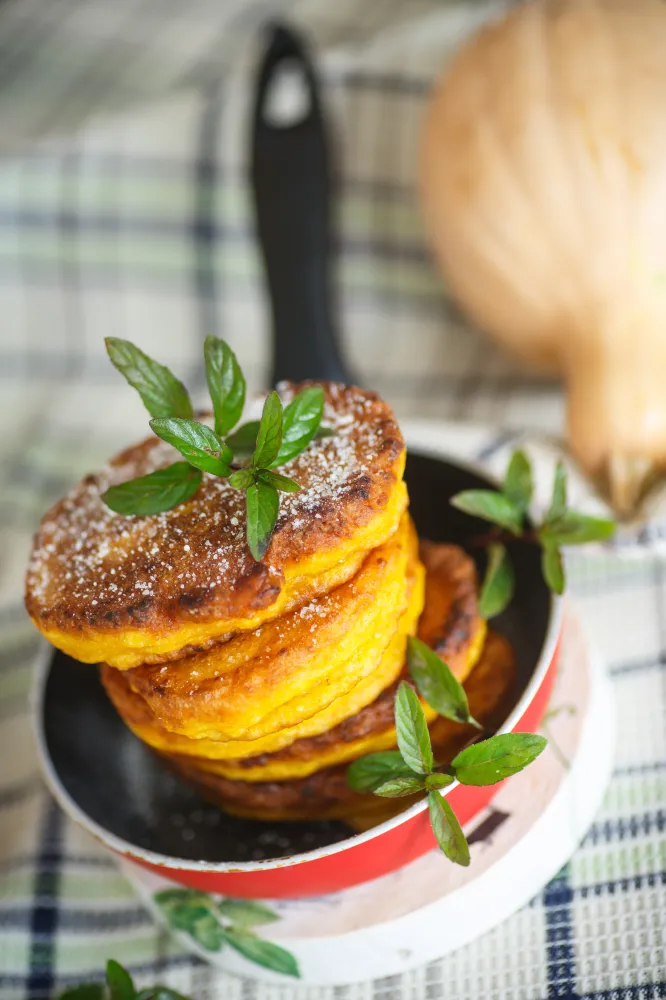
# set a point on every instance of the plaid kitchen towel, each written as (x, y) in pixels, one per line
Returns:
(124, 210)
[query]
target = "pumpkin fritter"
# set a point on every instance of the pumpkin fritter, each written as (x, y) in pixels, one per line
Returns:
(449, 587)
(325, 794)
(385, 668)
(134, 590)
(259, 683)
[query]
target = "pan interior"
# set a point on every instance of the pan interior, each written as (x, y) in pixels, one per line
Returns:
(121, 785)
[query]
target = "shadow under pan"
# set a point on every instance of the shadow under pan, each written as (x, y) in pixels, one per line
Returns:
(121, 785)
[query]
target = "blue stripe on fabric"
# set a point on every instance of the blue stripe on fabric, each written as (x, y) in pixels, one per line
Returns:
(77, 921)
(560, 953)
(650, 991)
(43, 922)
(626, 827)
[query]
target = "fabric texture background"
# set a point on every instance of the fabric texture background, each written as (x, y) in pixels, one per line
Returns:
(124, 210)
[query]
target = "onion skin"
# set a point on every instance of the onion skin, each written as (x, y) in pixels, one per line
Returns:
(543, 184)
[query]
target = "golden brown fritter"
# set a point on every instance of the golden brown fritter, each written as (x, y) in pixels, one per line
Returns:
(325, 794)
(130, 590)
(447, 589)
(285, 673)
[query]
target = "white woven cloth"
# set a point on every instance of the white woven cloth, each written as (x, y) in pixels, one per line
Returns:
(124, 210)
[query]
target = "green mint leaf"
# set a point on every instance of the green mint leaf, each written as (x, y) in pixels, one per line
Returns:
(162, 394)
(518, 482)
(434, 781)
(246, 912)
(396, 787)
(269, 436)
(183, 907)
(197, 443)
(265, 953)
(262, 504)
(207, 932)
(412, 731)
(301, 421)
(282, 483)
(490, 506)
(492, 760)
(324, 432)
(572, 528)
(498, 583)
(119, 981)
(242, 478)
(447, 830)
(85, 991)
(244, 440)
(368, 773)
(153, 494)
(226, 384)
(558, 503)
(552, 568)
(436, 683)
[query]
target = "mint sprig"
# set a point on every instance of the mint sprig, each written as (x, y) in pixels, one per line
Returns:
(119, 985)
(507, 509)
(155, 493)
(246, 457)
(162, 394)
(412, 768)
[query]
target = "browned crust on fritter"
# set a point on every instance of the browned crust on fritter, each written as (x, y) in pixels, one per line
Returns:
(92, 569)
(451, 616)
(490, 688)
(449, 575)
(211, 687)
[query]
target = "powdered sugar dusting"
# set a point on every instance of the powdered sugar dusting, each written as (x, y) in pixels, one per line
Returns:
(89, 558)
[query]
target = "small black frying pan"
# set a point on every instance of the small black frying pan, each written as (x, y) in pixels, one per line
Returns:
(96, 763)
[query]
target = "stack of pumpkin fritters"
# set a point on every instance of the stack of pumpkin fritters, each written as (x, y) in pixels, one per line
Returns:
(260, 682)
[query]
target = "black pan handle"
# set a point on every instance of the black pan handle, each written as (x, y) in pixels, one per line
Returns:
(292, 191)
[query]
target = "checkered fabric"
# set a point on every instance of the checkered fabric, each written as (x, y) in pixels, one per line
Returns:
(124, 209)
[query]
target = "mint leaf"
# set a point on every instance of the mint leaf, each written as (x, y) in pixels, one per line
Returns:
(447, 830)
(436, 683)
(262, 504)
(282, 483)
(518, 483)
(498, 583)
(492, 760)
(396, 787)
(162, 394)
(265, 953)
(246, 912)
(412, 731)
(558, 503)
(197, 443)
(572, 528)
(153, 494)
(438, 781)
(269, 436)
(552, 568)
(182, 908)
(490, 506)
(85, 991)
(119, 981)
(301, 420)
(244, 440)
(242, 478)
(324, 432)
(368, 773)
(226, 384)
(207, 932)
